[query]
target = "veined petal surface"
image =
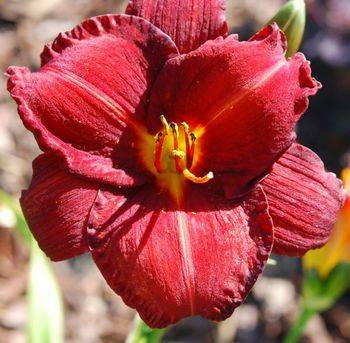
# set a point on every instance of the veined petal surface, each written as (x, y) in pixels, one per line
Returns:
(86, 104)
(56, 207)
(304, 201)
(189, 23)
(169, 262)
(243, 100)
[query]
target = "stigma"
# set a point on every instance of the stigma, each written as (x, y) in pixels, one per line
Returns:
(175, 149)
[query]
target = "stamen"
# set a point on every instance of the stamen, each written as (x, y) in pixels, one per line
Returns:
(177, 159)
(204, 179)
(190, 154)
(165, 124)
(159, 151)
(187, 141)
(174, 129)
(185, 126)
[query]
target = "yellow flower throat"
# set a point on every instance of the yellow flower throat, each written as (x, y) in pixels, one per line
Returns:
(173, 154)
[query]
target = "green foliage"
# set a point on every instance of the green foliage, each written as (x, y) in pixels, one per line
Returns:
(21, 225)
(45, 308)
(299, 326)
(291, 19)
(45, 317)
(141, 333)
(319, 295)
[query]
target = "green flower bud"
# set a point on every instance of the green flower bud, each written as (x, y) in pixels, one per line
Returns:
(291, 20)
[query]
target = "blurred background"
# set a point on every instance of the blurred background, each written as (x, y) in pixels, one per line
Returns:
(92, 312)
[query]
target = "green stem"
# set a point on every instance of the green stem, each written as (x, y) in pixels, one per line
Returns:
(141, 333)
(299, 325)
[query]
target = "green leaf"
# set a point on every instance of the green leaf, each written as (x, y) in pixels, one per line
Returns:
(141, 333)
(45, 317)
(320, 294)
(291, 19)
(299, 325)
(338, 281)
(45, 308)
(21, 225)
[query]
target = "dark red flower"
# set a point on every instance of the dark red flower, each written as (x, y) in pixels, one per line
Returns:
(133, 133)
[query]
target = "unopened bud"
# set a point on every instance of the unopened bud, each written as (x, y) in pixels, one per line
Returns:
(291, 20)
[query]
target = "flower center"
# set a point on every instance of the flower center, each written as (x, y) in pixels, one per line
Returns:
(174, 152)
(170, 155)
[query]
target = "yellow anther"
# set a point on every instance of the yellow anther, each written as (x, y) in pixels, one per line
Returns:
(165, 124)
(178, 153)
(195, 179)
(185, 126)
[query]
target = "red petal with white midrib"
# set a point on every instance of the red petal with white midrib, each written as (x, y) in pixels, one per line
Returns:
(170, 263)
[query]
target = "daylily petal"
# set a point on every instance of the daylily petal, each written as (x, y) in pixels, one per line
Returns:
(170, 263)
(242, 98)
(88, 99)
(189, 23)
(304, 201)
(56, 207)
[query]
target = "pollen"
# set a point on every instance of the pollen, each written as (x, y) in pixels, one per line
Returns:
(175, 150)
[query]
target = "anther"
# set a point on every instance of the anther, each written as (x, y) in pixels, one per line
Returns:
(185, 126)
(196, 179)
(158, 136)
(165, 124)
(174, 129)
(178, 153)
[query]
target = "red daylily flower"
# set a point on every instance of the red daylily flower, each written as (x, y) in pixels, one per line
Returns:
(179, 173)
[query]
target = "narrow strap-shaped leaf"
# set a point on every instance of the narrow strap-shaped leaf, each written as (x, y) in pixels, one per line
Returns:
(45, 315)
